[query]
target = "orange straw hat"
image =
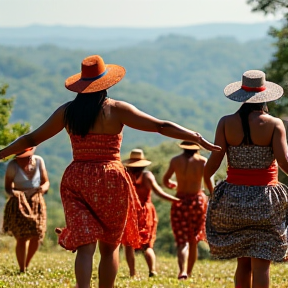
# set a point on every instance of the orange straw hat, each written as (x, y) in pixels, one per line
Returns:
(136, 159)
(26, 153)
(95, 76)
(189, 145)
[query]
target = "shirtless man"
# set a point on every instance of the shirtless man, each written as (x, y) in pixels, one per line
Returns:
(187, 216)
(145, 183)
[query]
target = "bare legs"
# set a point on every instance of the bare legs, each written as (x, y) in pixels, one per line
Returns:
(187, 255)
(243, 274)
(130, 258)
(192, 257)
(252, 272)
(150, 258)
(108, 265)
(83, 265)
(23, 256)
(182, 256)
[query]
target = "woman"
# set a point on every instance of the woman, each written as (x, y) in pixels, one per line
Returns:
(246, 216)
(26, 181)
(144, 183)
(97, 193)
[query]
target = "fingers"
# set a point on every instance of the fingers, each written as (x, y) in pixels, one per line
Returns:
(209, 146)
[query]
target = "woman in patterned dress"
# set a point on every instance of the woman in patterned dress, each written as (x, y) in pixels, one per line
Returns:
(97, 193)
(144, 183)
(247, 212)
(26, 181)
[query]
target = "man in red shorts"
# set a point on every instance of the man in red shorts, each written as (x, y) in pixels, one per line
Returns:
(187, 216)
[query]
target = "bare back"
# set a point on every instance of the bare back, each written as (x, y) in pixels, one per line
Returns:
(189, 173)
(261, 129)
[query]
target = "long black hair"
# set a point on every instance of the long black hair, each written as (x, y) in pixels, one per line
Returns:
(81, 113)
(244, 112)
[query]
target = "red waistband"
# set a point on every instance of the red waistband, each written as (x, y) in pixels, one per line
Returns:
(253, 177)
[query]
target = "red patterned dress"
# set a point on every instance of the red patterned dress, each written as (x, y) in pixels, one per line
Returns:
(147, 216)
(99, 199)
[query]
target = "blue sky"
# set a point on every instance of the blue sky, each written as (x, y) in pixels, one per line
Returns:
(126, 13)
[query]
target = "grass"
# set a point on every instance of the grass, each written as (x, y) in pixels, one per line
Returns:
(55, 268)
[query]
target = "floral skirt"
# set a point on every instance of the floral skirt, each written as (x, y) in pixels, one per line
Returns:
(188, 218)
(248, 221)
(24, 218)
(147, 223)
(100, 203)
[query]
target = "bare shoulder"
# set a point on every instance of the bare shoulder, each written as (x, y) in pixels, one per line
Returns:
(148, 175)
(119, 104)
(202, 159)
(11, 167)
(39, 158)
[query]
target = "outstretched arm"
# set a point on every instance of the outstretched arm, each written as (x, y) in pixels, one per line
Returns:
(51, 127)
(158, 190)
(134, 118)
(216, 157)
(166, 178)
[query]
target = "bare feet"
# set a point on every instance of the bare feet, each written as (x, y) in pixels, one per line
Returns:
(182, 277)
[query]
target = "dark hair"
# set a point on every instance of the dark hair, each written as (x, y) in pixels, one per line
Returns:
(244, 112)
(81, 113)
(190, 152)
(135, 169)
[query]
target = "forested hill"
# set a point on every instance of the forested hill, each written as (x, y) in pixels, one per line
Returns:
(174, 77)
(104, 38)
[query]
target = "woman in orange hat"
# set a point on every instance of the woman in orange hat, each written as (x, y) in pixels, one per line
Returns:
(26, 181)
(97, 193)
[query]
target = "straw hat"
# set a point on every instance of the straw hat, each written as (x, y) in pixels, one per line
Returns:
(26, 153)
(189, 145)
(136, 159)
(95, 76)
(253, 89)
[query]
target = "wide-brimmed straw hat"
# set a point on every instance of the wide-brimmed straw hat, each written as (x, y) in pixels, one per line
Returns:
(189, 145)
(253, 89)
(136, 159)
(95, 76)
(26, 153)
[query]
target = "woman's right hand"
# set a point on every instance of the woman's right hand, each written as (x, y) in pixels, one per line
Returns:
(16, 193)
(207, 145)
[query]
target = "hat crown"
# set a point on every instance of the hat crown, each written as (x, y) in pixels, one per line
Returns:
(92, 66)
(253, 78)
(137, 154)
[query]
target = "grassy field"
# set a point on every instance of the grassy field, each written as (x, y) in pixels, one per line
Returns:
(55, 269)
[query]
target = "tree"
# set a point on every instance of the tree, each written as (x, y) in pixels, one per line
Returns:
(9, 132)
(269, 6)
(277, 69)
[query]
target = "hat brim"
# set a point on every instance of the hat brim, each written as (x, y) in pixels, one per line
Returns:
(272, 92)
(26, 153)
(114, 74)
(190, 147)
(136, 163)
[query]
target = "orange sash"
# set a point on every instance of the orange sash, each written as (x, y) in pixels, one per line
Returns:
(253, 177)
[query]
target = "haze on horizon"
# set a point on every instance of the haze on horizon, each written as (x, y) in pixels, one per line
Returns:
(127, 13)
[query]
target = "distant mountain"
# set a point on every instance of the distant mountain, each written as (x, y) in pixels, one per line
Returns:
(113, 38)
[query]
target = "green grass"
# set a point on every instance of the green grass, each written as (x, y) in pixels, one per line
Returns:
(55, 268)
